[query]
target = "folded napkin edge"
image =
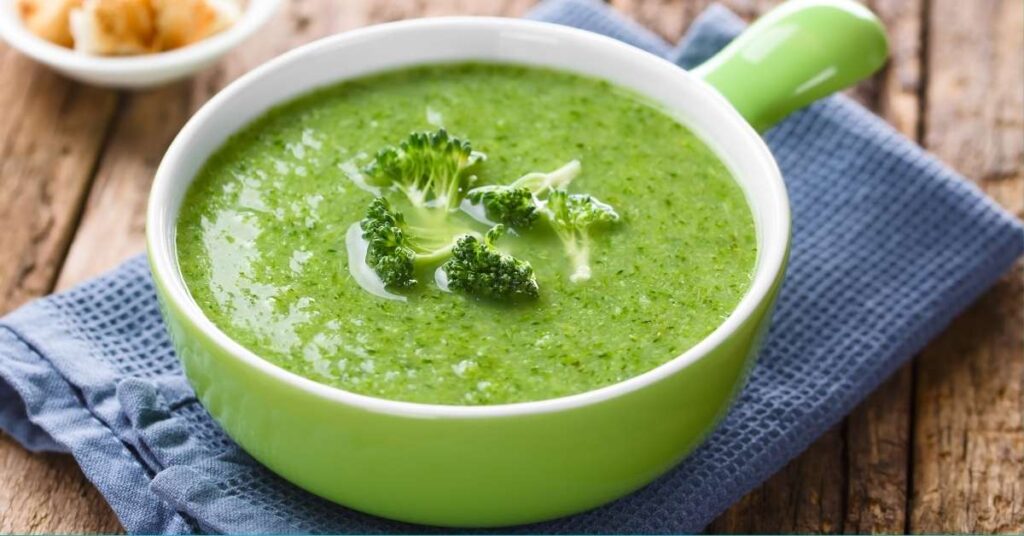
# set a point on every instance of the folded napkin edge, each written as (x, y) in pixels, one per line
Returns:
(57, 409)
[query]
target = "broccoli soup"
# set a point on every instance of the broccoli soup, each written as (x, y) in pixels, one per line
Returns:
(466, 234)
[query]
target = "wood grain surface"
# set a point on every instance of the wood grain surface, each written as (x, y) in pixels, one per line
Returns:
(968, 437)
(938, 448)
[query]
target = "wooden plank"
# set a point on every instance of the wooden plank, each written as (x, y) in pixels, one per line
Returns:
(667, 18)
(750, 9)
(900, 87)
(878, 431)
(878, 455)
(52, 133)
(390, 10)
(42, 492)
(968, 473)
(805, 497)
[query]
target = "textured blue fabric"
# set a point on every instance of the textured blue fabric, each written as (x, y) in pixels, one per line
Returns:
(888, 246)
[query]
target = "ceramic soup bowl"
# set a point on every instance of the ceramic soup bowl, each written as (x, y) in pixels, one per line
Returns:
(524, 462)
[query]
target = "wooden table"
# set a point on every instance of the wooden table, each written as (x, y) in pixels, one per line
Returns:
(939, 448)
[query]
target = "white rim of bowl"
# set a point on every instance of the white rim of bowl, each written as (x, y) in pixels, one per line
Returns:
(163, 257)
(255, 14)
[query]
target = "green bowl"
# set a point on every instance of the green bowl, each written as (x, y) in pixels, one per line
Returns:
(516, 463)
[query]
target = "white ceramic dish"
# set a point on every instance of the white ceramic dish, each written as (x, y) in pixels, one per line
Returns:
(131, 72)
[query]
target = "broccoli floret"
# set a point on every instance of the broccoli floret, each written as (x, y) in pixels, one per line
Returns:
(392, 251)
(387, 250)
(480, 269)
(572, 216)
(515, 204)
(430, 168)
(514, 207)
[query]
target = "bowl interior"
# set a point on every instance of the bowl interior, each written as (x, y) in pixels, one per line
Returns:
(395, 45)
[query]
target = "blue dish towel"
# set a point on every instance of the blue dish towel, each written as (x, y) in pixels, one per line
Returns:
(888, 246)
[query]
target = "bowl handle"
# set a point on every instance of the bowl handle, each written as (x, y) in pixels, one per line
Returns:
(796, 54)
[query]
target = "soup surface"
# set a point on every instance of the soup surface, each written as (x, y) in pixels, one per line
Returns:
(261, 239)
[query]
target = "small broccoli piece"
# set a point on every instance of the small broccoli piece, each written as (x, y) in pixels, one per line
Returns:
(392, 251)
(480, 269)
(430, 168)
(572, 216)
(515, 204)
(388, 251)
(514, 207)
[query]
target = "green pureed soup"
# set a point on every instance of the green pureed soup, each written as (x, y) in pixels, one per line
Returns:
(262, 243)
